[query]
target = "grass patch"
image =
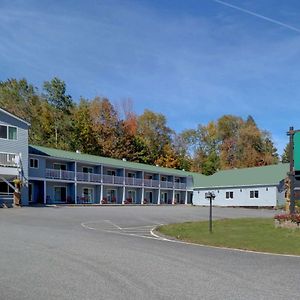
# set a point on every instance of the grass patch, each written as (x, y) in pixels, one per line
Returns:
(255, 234)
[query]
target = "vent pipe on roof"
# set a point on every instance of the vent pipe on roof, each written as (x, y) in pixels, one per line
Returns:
(124, 159)
(77, 151)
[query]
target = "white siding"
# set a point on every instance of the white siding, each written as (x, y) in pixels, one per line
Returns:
(241, 196)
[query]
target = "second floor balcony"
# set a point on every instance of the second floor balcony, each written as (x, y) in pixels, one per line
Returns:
(110, 179)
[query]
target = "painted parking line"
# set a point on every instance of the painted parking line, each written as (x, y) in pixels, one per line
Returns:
(148, 232)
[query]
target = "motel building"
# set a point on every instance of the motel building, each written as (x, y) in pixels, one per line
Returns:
(52, 176)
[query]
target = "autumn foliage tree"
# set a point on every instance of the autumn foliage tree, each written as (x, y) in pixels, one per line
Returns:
(97, 126)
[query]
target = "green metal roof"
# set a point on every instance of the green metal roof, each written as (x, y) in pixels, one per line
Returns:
(266, 175)
(117, 163)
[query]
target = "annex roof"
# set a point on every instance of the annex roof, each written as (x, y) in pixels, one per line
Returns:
(13, 116)
(118, 163)
(265, 175)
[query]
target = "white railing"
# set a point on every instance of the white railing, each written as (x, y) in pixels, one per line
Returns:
(180, 185)
(151, 183)
(113, 179)
(88, 177)
(60, 174)
(9, 160)
(109, 179)
(133, 181)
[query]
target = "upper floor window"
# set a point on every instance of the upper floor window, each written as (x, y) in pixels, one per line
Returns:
(163, 178)
(254, 194)
(87, 170)
(111, 172)
(58, 166)
(130, 174)
(34, 163)
(8, 132)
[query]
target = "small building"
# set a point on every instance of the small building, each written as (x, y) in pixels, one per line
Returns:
(13, 156)
(248, 187)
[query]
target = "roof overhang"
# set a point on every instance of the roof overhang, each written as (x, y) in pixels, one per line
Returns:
(15, 117)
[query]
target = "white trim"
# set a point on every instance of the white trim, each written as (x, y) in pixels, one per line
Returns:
(15, 117)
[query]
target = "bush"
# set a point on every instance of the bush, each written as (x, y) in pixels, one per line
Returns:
(294, 218)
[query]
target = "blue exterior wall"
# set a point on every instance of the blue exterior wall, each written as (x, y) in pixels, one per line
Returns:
(19, 146)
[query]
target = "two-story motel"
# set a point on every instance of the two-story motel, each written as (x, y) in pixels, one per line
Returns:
(52, 176)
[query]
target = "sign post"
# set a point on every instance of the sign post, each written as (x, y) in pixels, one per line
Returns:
(211, 196)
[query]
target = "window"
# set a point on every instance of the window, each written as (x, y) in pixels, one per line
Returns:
(254, 194)
(34, 163)
(111, 172)
(163, 178)
(88, 194)
(3, 132)
(87, 169)
(8, 132)
(62, 167)
(229, 195)
(12, 133)
(131, 175)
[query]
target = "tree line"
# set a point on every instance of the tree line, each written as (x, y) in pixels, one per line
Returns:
(97, 126)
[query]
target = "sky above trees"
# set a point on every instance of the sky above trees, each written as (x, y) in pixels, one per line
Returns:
(193, 61)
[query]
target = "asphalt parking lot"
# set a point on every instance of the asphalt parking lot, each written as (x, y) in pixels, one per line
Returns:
(109, 253)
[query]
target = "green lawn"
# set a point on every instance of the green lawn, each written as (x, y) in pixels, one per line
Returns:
(255, 234)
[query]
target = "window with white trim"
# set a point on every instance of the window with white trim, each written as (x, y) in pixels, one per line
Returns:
(34, 163)
(254, 194)
(229, 195)
(8, 132)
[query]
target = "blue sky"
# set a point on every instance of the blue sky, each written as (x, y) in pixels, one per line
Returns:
(191, 60)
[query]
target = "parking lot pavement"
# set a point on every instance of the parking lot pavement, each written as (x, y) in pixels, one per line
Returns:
(109, 253)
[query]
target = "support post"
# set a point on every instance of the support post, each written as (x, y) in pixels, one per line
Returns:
(45, 192)
(75, 184)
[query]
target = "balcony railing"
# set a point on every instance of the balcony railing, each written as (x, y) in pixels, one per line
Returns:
(9, 160)
(60, 174)
(88, 177)
(109, 179)
(133, 181)
(151, 183)
(113, 179)
(180, 185)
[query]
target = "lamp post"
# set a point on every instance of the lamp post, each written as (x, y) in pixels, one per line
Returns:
(211, 196)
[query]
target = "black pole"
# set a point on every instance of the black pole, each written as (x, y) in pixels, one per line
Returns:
(210, 215)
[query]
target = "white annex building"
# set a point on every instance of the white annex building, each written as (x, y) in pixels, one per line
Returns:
(258, 186)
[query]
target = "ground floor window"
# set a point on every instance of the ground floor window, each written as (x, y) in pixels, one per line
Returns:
(254, 194)
(131, 196)
(60, 194)
(164, 197)
(112, 196)
(149, 197)
(229, 195)
(88, 194)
